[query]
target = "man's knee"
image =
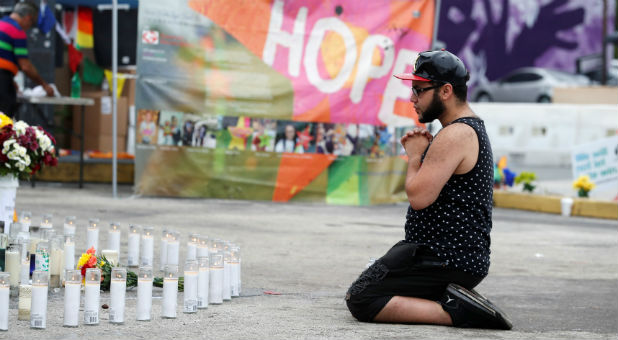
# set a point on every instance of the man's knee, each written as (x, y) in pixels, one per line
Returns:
(365, 308)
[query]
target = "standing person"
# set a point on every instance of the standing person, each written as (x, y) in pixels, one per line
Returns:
(428, 277)
(14, 54)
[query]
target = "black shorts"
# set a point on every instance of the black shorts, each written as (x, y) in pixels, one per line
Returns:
(405, 270)
(8, 93)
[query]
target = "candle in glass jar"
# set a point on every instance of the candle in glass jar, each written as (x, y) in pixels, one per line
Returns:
(92, 296)
(163, 249)
(227, 276)
(24, 302)
(170, 292)
(173, 248)
(5, 287)
(92, 234)
(202, 282)
(202, 247)
(215, 293)
(46, 221)
(24, 274)
(72, 289)
(235, 267)
(69, 252)
(144, 293)
(133, 246)
(111, 255)
(38, 309)
(25, 218)
(147, 245)
(69, 226)
(113, 237)
(56, 261)
(192, 246)
(13, 264)
(117, 290)
(190, 287)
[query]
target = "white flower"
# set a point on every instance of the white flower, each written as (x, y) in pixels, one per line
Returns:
(26, 160)
(8, 165)
(20, 127)
(21, 166)
(13, 155)
(22, 151)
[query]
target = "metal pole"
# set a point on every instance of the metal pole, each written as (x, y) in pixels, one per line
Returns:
(114, 98)
(436, 23)
(604, 45)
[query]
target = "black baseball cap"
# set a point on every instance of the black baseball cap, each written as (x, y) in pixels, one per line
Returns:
(441, 66)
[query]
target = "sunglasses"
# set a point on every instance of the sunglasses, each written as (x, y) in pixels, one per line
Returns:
(417, 91)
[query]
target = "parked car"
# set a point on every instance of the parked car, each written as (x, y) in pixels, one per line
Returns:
(527, 84)
(612, 74)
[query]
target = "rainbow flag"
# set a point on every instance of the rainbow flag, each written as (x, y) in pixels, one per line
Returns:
(84, 28)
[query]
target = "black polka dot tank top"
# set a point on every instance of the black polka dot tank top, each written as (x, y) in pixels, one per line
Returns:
(457, 225)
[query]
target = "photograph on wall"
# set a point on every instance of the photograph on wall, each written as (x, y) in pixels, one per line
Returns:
(294, 137)
(147, 127)
(263, 135)
(170, 128)
(384, 142)
(366, 139)
(187, 131)
(235, 133)
(206, 129)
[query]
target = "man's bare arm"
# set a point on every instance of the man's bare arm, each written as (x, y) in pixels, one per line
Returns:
(26, 66)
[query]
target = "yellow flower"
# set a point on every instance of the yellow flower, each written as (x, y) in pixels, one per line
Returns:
(5, 120)
(583, 183)
(83, 260)
(102, 264)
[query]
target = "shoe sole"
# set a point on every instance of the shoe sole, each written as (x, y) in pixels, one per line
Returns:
(483, 306)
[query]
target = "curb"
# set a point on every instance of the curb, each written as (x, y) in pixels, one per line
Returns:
(551, 204)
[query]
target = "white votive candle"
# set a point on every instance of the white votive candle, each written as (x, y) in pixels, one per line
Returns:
(69, 226)
(92, 296)
(192, 246)
(92, 234)
(13, 264)
(25, 218)
(72, 290)
(235, 267)
(69, 252)
(111, 255)
(202, 282)
(144, 294)
(24, 275)
(190, 287)
(227, 276)
(133, 246)
(147, 245)
(215, 293)
(46, 221)
(163, 249)
(5, 287)
(170, 292)
(202, 247)
(173, 248)
(113, 237)
(117, 290)
(38, 309)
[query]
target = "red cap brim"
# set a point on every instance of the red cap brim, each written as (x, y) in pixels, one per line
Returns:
(410, 76)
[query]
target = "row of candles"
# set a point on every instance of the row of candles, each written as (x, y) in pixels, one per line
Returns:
(211, 273)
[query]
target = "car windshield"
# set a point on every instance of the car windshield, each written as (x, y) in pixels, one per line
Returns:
(562, 76)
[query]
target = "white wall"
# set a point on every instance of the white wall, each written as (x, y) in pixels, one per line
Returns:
(544, 134)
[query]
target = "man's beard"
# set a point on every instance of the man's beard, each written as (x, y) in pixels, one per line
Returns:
(434, 110)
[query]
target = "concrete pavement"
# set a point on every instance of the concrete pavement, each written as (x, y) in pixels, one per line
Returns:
(557, 277)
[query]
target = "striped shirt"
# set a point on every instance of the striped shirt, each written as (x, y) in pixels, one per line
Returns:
(13, 44)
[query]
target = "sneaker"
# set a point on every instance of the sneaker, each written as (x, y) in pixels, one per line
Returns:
(472, 310)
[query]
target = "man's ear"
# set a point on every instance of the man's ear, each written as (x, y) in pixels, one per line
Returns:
(446, 91)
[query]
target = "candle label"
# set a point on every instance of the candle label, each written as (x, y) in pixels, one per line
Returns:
(42, 261)
(112, 316)
(200, 301)
(37, 321)
(91, 317)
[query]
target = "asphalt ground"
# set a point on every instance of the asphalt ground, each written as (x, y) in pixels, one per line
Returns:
(556, 277)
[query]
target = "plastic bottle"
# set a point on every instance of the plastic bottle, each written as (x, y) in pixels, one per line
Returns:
(76, 86)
